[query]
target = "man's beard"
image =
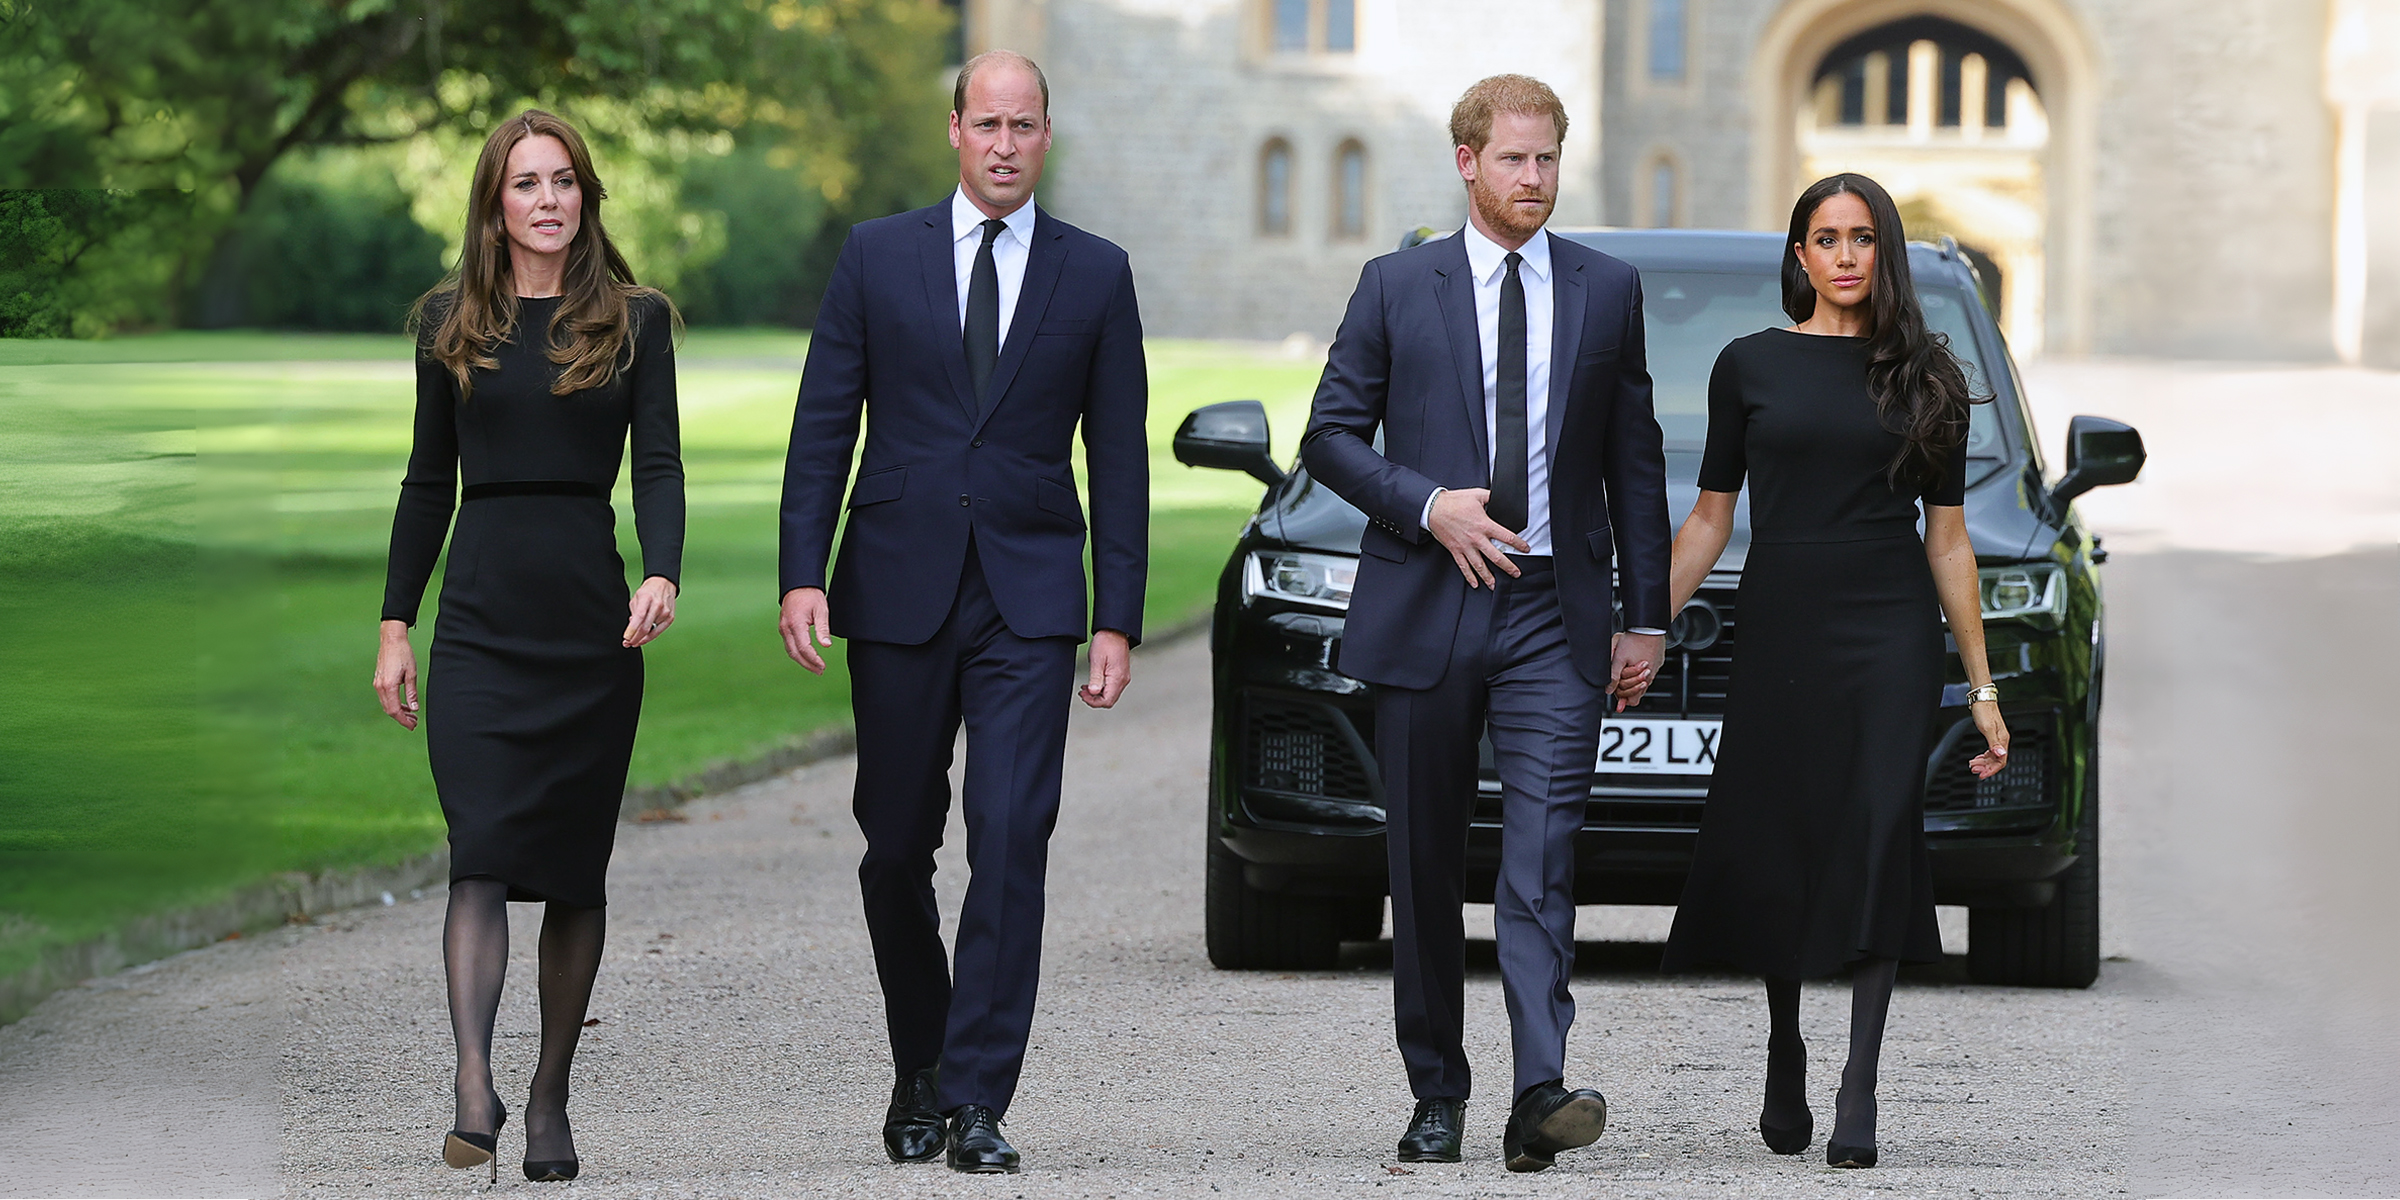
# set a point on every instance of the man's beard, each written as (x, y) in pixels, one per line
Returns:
(1502, 214)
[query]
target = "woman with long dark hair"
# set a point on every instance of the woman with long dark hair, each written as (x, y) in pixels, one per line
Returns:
(1811, 857)
(534, 360)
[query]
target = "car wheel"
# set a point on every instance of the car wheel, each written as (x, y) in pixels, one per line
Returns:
(1254, 930)
(2058, 944)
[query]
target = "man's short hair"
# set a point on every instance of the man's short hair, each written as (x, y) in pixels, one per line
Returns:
(958, 93)
(1471, 118)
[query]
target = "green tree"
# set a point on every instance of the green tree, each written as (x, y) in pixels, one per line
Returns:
(206, 97)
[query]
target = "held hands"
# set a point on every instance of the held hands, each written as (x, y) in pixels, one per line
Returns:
(1995, 734)
(804, 617)
(1112, 669)
(1458, 522)
(396, 675)
(1633, 664)
(650, 611)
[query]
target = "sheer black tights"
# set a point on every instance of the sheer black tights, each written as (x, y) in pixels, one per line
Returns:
(1787, 1055)
(475, 952)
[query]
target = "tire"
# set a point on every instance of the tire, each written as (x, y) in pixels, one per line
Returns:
(2057, 945)
(1253, 930)
(1359, 918)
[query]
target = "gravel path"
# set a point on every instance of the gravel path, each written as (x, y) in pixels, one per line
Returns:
(2241, 1040)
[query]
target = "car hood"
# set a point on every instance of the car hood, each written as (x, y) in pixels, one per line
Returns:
(1305, 515)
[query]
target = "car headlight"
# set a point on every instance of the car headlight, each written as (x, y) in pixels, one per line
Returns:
(2024, 590)
(1322, 580)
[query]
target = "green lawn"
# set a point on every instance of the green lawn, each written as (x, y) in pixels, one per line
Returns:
(193, 560)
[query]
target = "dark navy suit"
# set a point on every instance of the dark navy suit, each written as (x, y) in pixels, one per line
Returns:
(960, 585)
(1528, 659)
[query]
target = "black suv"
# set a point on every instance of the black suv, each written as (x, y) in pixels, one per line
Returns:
(1295, 846)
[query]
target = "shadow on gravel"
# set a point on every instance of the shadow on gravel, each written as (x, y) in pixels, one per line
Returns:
(1622, 960)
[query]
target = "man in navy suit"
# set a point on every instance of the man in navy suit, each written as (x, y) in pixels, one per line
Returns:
(1520, 456)
(976, 335)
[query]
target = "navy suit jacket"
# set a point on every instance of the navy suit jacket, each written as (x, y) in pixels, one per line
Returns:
(1408, 358)
(940, 461)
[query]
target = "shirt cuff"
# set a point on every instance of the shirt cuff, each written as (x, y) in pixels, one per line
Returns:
(1425, 516)
(1651, 632)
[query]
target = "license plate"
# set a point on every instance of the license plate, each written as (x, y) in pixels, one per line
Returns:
(1657, 747)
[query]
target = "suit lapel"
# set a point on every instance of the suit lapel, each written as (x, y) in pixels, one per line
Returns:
(1566, 338)
(1043, 262)
(1454, 290)
(940, 269)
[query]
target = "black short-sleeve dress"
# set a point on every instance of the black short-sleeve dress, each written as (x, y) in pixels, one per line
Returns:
(1812, 853)
(531, 698)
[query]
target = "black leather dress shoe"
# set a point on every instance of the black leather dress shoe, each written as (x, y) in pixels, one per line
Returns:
(1433, 1134)
(912, 1130)
(1548, 1119)
(976, 1146)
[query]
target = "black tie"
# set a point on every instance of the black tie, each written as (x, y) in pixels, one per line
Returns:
(983, 313)
(1509, 466)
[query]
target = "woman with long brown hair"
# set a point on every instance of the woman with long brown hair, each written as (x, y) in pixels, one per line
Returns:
(534, 360)
(1811, 857)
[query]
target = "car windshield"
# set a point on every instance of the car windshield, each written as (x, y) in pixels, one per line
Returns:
(1691, 315)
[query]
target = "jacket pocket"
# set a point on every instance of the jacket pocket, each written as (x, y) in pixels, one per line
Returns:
(1057, 499)
(1063, 327)
(1594, 356)
(1602, 542)
(875, 487)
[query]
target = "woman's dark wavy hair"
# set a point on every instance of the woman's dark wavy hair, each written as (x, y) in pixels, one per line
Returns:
(1919, 388)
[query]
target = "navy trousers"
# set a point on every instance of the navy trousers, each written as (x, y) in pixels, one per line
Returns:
(1509, 669)
(1011, 693)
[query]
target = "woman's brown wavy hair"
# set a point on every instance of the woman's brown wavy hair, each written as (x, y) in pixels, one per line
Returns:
(1919, 388)
(474, 308)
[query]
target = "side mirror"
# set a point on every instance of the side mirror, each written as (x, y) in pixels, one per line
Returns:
(1229, 437)
(2100, 453)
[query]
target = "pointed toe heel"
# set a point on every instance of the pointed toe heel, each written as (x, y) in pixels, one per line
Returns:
(461, 1149)
(1839, 1155)
(557, 1171)
(1794, 1140)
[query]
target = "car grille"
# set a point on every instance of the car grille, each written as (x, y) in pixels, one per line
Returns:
(1693, 683)
(2024, 783)
(1303, 748)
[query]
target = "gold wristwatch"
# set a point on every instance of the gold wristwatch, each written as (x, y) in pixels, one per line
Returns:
(1988, 692)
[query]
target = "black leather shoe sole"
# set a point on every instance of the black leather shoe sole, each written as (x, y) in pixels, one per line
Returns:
(1409, 1155)
(1579, 1122)
(982, 1166)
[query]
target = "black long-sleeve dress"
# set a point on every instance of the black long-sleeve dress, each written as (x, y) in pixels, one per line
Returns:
(1812, 845)
(531, 697)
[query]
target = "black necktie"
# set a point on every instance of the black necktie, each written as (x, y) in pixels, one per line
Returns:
(983, 312)
(1509, 466)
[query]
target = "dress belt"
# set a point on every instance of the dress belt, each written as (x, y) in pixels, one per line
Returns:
(533, 487)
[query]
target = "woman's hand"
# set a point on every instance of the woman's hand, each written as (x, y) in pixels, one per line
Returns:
(396, 675)
(651, 610)
(1995, 735)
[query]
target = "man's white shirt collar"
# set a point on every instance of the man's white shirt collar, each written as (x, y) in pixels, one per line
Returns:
(1485, 257)
(966, 219)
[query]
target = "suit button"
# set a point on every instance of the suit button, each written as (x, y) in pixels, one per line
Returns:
(964, 502)
(979, 443)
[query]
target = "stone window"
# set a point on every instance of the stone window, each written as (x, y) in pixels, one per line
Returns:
(1275, 188)
(1667, 28)
(1922, 74)
(1663, 185)
(1311, 26)
(1350, 191)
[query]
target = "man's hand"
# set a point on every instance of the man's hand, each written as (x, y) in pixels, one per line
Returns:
(1634, 659)
(1112, 669)
(804, 615)
(1459, 524)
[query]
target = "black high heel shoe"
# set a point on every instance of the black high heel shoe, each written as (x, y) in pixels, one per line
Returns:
(1839, 1155)
(552, 1171)
(461, 1149)
(1789, 1141)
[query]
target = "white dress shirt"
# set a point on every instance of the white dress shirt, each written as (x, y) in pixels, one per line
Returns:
(1487, 263)
(1009, 252)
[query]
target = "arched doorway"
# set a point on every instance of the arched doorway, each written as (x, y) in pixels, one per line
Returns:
(1974, 113)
